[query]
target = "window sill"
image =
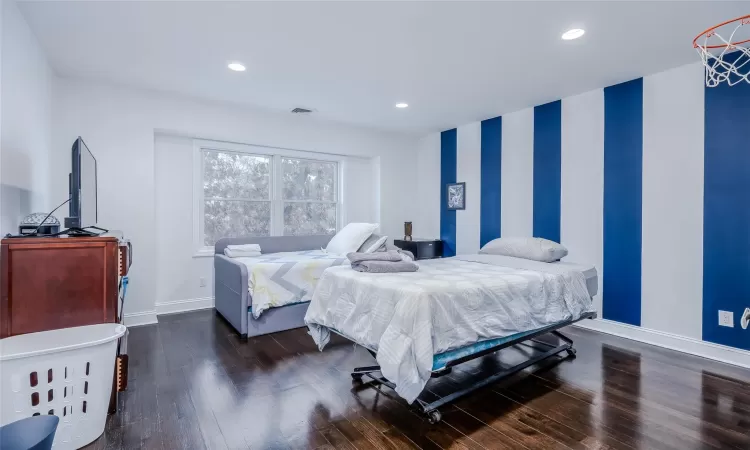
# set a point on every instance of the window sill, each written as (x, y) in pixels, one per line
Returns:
(204, 253)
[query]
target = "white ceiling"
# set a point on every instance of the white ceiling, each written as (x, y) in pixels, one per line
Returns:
(453, 62)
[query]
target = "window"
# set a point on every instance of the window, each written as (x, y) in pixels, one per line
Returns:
(309, 193)
(236, 195)
(259, 191)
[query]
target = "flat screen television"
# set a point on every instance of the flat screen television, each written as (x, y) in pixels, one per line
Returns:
(83, 197)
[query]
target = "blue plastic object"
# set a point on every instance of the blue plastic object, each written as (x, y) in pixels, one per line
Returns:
(32, 433)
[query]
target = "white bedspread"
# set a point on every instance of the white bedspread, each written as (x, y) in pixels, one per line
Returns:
(449, 303)
(278, 279)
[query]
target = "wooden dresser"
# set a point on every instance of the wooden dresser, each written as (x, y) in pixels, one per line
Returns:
(50, 283)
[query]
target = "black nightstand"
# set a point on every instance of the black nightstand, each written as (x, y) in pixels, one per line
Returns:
(422, 248)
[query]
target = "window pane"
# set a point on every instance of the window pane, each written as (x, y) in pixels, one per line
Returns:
(309, 218)
(233, 218)
(309, 180)
(235, 175)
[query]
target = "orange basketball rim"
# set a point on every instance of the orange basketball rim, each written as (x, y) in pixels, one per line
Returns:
(725, 52)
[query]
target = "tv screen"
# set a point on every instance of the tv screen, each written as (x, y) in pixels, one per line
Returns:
(83, 199)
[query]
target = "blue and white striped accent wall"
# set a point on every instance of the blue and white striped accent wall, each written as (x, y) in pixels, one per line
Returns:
(649, 180)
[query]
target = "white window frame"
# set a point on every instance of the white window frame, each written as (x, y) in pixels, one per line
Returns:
(276, 198)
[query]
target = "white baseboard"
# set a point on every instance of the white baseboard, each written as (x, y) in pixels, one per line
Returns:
(683, 344)
(191, 304)
(140, 318)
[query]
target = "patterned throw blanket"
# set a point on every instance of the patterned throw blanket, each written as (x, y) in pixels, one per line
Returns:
(278, 279)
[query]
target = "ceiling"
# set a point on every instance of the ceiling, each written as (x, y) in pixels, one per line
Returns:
(452, 62)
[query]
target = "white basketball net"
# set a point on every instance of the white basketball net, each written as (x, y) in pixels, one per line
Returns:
(718, 54)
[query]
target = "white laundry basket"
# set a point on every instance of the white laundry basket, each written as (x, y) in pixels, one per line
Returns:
(65, 372)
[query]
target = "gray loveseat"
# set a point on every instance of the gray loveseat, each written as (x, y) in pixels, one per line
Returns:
(231, 289)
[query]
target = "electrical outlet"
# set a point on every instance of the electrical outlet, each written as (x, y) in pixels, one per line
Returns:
(726, 319)
(745, 319)
(203, 282)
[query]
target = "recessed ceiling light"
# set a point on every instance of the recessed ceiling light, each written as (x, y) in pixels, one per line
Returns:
(402, 105)
(575, 33)
(237, 67)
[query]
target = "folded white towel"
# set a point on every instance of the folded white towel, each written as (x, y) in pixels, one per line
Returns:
(240, 253)
(245, 247)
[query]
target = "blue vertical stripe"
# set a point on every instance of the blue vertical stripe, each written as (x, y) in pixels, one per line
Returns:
(623, 170)
(491, 163)
(547, 154)
(448, 163)
(726, 214)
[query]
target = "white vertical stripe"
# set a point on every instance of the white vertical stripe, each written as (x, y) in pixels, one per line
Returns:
(582, 181)
(468, 170)
(672, 265)
(517, 183)
(426, 221)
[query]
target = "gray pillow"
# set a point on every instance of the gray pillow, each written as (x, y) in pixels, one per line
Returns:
(373, 244)
(537, 249)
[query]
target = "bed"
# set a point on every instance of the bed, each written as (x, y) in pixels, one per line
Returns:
(232, 278)
(419, 325)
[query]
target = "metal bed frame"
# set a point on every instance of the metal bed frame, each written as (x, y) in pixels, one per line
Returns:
(431, 409)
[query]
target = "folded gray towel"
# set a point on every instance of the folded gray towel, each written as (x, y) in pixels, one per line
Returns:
(391, 261)
(385, 266)
(356, 257)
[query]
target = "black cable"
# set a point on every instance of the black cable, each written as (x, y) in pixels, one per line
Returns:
(45, 219)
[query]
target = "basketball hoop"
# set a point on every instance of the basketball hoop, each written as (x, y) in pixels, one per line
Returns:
(727, 57)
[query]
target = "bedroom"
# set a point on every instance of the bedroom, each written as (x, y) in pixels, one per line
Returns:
(610, 144)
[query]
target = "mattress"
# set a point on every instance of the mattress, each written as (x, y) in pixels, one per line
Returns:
(440, 361)
(250, 308)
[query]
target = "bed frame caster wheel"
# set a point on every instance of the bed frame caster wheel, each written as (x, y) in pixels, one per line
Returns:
(434, 417)
(571, 352)
(357, 377)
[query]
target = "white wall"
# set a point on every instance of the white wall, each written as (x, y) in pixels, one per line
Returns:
(26, 122)
(179, 272)
(582, 197)
(2, 6)
(672, 246)
(178, 285)
(426, 217)
(469, 170)
(120, 124)
(517, 180)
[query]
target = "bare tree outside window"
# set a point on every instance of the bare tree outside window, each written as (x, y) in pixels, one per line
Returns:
(263, 195)
(309, 193)
(236, 195)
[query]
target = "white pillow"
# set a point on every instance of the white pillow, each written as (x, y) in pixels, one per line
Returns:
(537, 249)
(373, 243)
(350, 238)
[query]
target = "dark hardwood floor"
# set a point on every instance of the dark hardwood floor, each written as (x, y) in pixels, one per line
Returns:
(195, 385)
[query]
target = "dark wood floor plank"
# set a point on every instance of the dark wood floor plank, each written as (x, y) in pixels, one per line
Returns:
(372, 434)
(337, 439)
(674, 359)
(664, 407)
(359, 440)
(308, 439)
(195, 384)
(478, 431)
(628, 412)
(201, 394)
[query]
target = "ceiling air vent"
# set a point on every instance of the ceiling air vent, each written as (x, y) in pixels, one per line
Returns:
(301, 111)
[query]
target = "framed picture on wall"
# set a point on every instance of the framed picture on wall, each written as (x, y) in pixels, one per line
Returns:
(456, 195)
